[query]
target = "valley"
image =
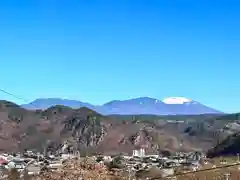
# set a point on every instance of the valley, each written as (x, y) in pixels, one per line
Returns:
(170, 143)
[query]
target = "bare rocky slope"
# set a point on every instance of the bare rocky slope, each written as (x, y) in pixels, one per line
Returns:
(91, 132)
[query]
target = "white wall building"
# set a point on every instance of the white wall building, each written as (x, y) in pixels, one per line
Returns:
(139, 153)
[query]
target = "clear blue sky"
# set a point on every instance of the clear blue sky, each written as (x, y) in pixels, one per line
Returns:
(100, 50)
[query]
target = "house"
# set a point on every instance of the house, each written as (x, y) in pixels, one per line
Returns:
(139, 153)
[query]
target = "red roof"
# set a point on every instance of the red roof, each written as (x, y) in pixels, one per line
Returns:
(3, 161)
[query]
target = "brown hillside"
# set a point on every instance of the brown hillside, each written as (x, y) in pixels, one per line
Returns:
(88, 131)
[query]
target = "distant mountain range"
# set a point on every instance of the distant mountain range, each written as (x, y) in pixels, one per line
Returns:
(142, 105)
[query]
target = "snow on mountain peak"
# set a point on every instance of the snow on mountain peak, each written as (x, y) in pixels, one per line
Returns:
(176, 100)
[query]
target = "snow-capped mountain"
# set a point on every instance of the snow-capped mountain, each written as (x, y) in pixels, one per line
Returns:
(142, 105)
(182, 105)
(176, 100)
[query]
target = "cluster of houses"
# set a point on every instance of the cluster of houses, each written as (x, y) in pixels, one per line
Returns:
(35, 162)
(167, 165)
(30, 162)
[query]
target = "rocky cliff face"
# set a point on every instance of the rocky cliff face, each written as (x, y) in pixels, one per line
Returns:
(85, 130)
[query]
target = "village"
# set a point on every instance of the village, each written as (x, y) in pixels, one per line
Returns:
(138, 165)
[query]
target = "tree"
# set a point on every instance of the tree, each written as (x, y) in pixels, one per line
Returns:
(117, 162)
(14, 174)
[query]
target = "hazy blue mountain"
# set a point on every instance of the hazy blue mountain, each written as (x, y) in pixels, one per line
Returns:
(142, 105)
(49, 102)
(146, 105)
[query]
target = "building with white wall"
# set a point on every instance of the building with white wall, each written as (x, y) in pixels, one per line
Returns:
(139, 153)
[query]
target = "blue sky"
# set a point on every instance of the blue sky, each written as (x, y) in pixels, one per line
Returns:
(100, 50)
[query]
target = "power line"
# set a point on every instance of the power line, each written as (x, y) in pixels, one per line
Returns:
(17, 97)
(201, 170)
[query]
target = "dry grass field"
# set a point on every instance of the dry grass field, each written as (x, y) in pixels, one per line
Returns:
(223, 168)
(219, 174)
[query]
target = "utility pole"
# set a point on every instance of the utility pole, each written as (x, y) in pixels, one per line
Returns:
(44, 151)
(38, 156)
(158, 148)
(129, 172)
(227, 176)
